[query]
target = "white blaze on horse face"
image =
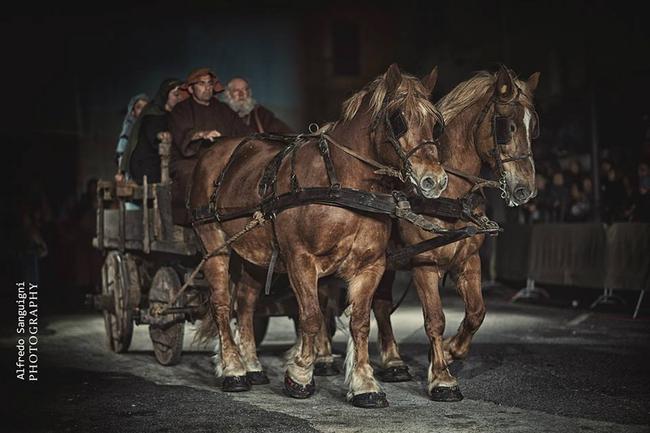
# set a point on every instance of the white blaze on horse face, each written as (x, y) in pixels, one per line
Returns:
(527, 118)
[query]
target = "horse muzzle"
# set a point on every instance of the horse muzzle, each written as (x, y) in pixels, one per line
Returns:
(432, 187)
(520, 195)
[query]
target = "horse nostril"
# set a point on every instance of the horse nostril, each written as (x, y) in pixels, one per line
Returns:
(427, 183)
(521, 193)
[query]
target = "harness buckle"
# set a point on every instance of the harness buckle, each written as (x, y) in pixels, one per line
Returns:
(335, 190)
(268, 207)
(402, 204)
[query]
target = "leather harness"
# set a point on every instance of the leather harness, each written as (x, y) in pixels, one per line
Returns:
(395, 205)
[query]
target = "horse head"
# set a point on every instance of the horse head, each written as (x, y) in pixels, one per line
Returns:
(404, 127)
(504, 132)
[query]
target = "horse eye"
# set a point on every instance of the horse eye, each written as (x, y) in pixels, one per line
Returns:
(513, 127)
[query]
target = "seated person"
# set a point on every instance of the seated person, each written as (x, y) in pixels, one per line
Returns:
(194, 124)
(239, 97)
(141, 155)
(133, 111)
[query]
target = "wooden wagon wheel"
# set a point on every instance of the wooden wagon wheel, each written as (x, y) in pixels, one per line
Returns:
(167, 339)
(118, 319)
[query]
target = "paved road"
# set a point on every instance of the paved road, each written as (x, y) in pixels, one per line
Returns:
(531, 369)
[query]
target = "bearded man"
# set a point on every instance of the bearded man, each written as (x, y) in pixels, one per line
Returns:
(239, 97)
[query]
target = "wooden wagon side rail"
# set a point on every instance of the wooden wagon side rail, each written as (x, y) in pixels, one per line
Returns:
(148, 228)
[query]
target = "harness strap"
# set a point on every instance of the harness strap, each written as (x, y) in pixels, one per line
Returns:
(402, 255)
(257, 220)
(476, 181)
(219, 181)
(380, 168)
(324, 150)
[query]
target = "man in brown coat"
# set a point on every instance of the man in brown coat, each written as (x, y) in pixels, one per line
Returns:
(194, 125)
(239, 97)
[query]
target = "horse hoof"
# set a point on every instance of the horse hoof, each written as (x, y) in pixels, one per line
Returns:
(257, 377)
(325, 369)
(445, 393)
(370, 400)
(235, 384)
(296, 390)
(395, 374)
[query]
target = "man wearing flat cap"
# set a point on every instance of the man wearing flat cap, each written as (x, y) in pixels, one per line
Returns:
(194, 125)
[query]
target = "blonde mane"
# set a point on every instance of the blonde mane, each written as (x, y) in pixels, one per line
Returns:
(410, 96)
(468, 92)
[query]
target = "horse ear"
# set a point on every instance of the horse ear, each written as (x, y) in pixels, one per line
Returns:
(393, 78)
(505, 85)
(532, 82)
(429, 81)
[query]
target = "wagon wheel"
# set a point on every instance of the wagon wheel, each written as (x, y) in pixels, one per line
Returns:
(167, 339)
(118, 318)
(260, 325)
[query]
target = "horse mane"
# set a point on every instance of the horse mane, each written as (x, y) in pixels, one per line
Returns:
(469, 91)
(410, 96)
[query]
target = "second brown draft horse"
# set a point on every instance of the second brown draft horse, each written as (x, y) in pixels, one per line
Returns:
(490, 119)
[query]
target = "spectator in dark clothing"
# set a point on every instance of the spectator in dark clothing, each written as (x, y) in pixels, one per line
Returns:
(613, 197)
(141, 156)
(641, 209)
(558, 198)
(580, 207)
(537, 210)
(574, 174)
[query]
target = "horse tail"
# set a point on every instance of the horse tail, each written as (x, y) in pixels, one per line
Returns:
(206, 329)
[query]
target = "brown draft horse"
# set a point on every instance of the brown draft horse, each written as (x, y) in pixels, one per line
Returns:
(490, 119)
(318, 240)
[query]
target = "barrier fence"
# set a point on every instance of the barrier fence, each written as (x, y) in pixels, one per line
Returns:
(587, 255)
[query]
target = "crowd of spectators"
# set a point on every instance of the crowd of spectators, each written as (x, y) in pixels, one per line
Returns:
(568, 195)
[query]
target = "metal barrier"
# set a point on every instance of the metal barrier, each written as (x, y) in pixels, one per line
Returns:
(580, 255)
(628, 259)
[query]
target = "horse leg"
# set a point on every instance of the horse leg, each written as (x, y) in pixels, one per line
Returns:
(216, 272)
(328, 292)
(248, 289)
(303, 275)
(230, 365)
(364, 391)
(393, 368)
(324, 364)
(468, 284)
(442, 386)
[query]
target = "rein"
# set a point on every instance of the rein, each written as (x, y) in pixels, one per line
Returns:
(381, 169)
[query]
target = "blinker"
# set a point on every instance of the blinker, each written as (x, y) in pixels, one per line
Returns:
(397, 124)
(502, 133)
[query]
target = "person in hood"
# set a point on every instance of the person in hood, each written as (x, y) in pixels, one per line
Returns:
(133, 110)
(141, 157)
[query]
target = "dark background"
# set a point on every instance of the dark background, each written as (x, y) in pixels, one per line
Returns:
(68, 74)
